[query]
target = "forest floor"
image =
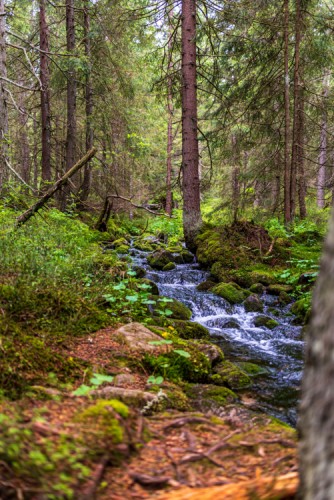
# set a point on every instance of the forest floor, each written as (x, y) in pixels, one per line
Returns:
(168, 454)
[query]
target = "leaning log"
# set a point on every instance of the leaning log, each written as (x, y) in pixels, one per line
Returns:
(23, 218)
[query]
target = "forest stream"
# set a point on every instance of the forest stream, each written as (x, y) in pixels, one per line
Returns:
(279, 351)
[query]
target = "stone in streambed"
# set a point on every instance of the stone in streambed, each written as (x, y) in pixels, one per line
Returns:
(205, 286)
(276, 289)
(257, 288)
(159, 259)
(265, 321)
(231, 292)
(227, 373)
(190, 329)
(169, 267)
(253, 304)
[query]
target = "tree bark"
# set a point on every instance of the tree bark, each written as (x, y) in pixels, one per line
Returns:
(297, 113)
(190, 158)
(235, 179)
(87, 178)
(300, 166)
(321, 178)
(58, 185)
(169, 198)
(316, 421)
(45, 94)
(71, 96)
(3, 97)
(287, 207)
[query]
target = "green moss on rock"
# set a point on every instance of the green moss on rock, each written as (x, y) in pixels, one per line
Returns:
(159, 259)
(265, 321)
(169, 267)
(253, 304)
(252, 369)
(230, 292)
(301, 309)
(257, 288)
(205, 286)
(190, 330)
(227, 373)
(276, 289)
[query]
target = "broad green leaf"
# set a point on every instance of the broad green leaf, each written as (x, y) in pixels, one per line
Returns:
(185, 354)
(83, 390)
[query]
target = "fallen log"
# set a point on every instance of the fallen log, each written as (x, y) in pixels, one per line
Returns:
(23, 218)
(261, 488)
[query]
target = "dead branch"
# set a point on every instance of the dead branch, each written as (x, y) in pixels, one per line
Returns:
(22, 219)
(186, 420)
(90, 490)
(137, 206)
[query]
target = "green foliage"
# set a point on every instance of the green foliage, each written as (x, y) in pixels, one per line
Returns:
(95, 381)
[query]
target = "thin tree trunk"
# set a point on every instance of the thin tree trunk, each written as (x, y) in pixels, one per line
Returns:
(24, 141)
(71, 97)
(190, 157)
(45, 94)
(296, 113)
(235, 179)
(300, 166)
(87, 178)
(169, 197)
(3, 97)
(316, 422)
(287, 207)
(321, 178)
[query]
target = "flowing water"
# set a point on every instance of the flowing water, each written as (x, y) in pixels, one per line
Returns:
(279, 350)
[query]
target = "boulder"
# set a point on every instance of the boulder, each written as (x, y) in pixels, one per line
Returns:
(253, 304)
(230, 292)
(227, 373)
(257, 288)
(205, 286)
(265, 321)
(138, 338)
(190, 330)
(276, 289)
(159, 259)
(169, 267)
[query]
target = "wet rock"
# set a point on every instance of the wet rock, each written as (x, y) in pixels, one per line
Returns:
(265, 321)
(184, 257)
(252, 369)
(169, 267)
(284, 298)
(227, 373)
(159, 259)
(205, 286)
(302, 310)
(264, 277)
(138, 338)
(231, 323)
(190, 330)
(208, 396)
(179, 310)
(276, 289)
(213, 353)
(257, 288)
(253, 304)
(154, 288)
(230, 292)
(143, 245)
(140, 271)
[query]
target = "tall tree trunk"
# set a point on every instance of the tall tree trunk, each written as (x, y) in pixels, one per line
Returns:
(3, 97)
(295, 157)
(300, 166)
(190, 158)
(23, 140)
(287, 207)
(321, 178)
(169, 197)
(235, 178)
(316, 422)
(87, 178)
(45, 94)
(71, 97)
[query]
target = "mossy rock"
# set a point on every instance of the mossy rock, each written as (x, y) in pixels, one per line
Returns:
(257, 288)
(178, 310)
(231, 323)
(211, 395)
(169, 267)
(123, 249)
(120, 242)
(276, 289)
(190, 330)
(184, 257)
(301, 309)
(105, 418)
(252, 369)
(264, 277)
(230, 292)
(205, 286)
(154, 288)
(176, 399)
(265, 321)
(140, 271)
(284, 298)
(144, 246)
(174, 249)
(176, 367)
(159, 259)
(253, 304)
(227, 373)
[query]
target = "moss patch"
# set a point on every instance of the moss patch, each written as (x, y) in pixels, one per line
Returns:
(227, 373)
(230, 292)
(265, 321)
